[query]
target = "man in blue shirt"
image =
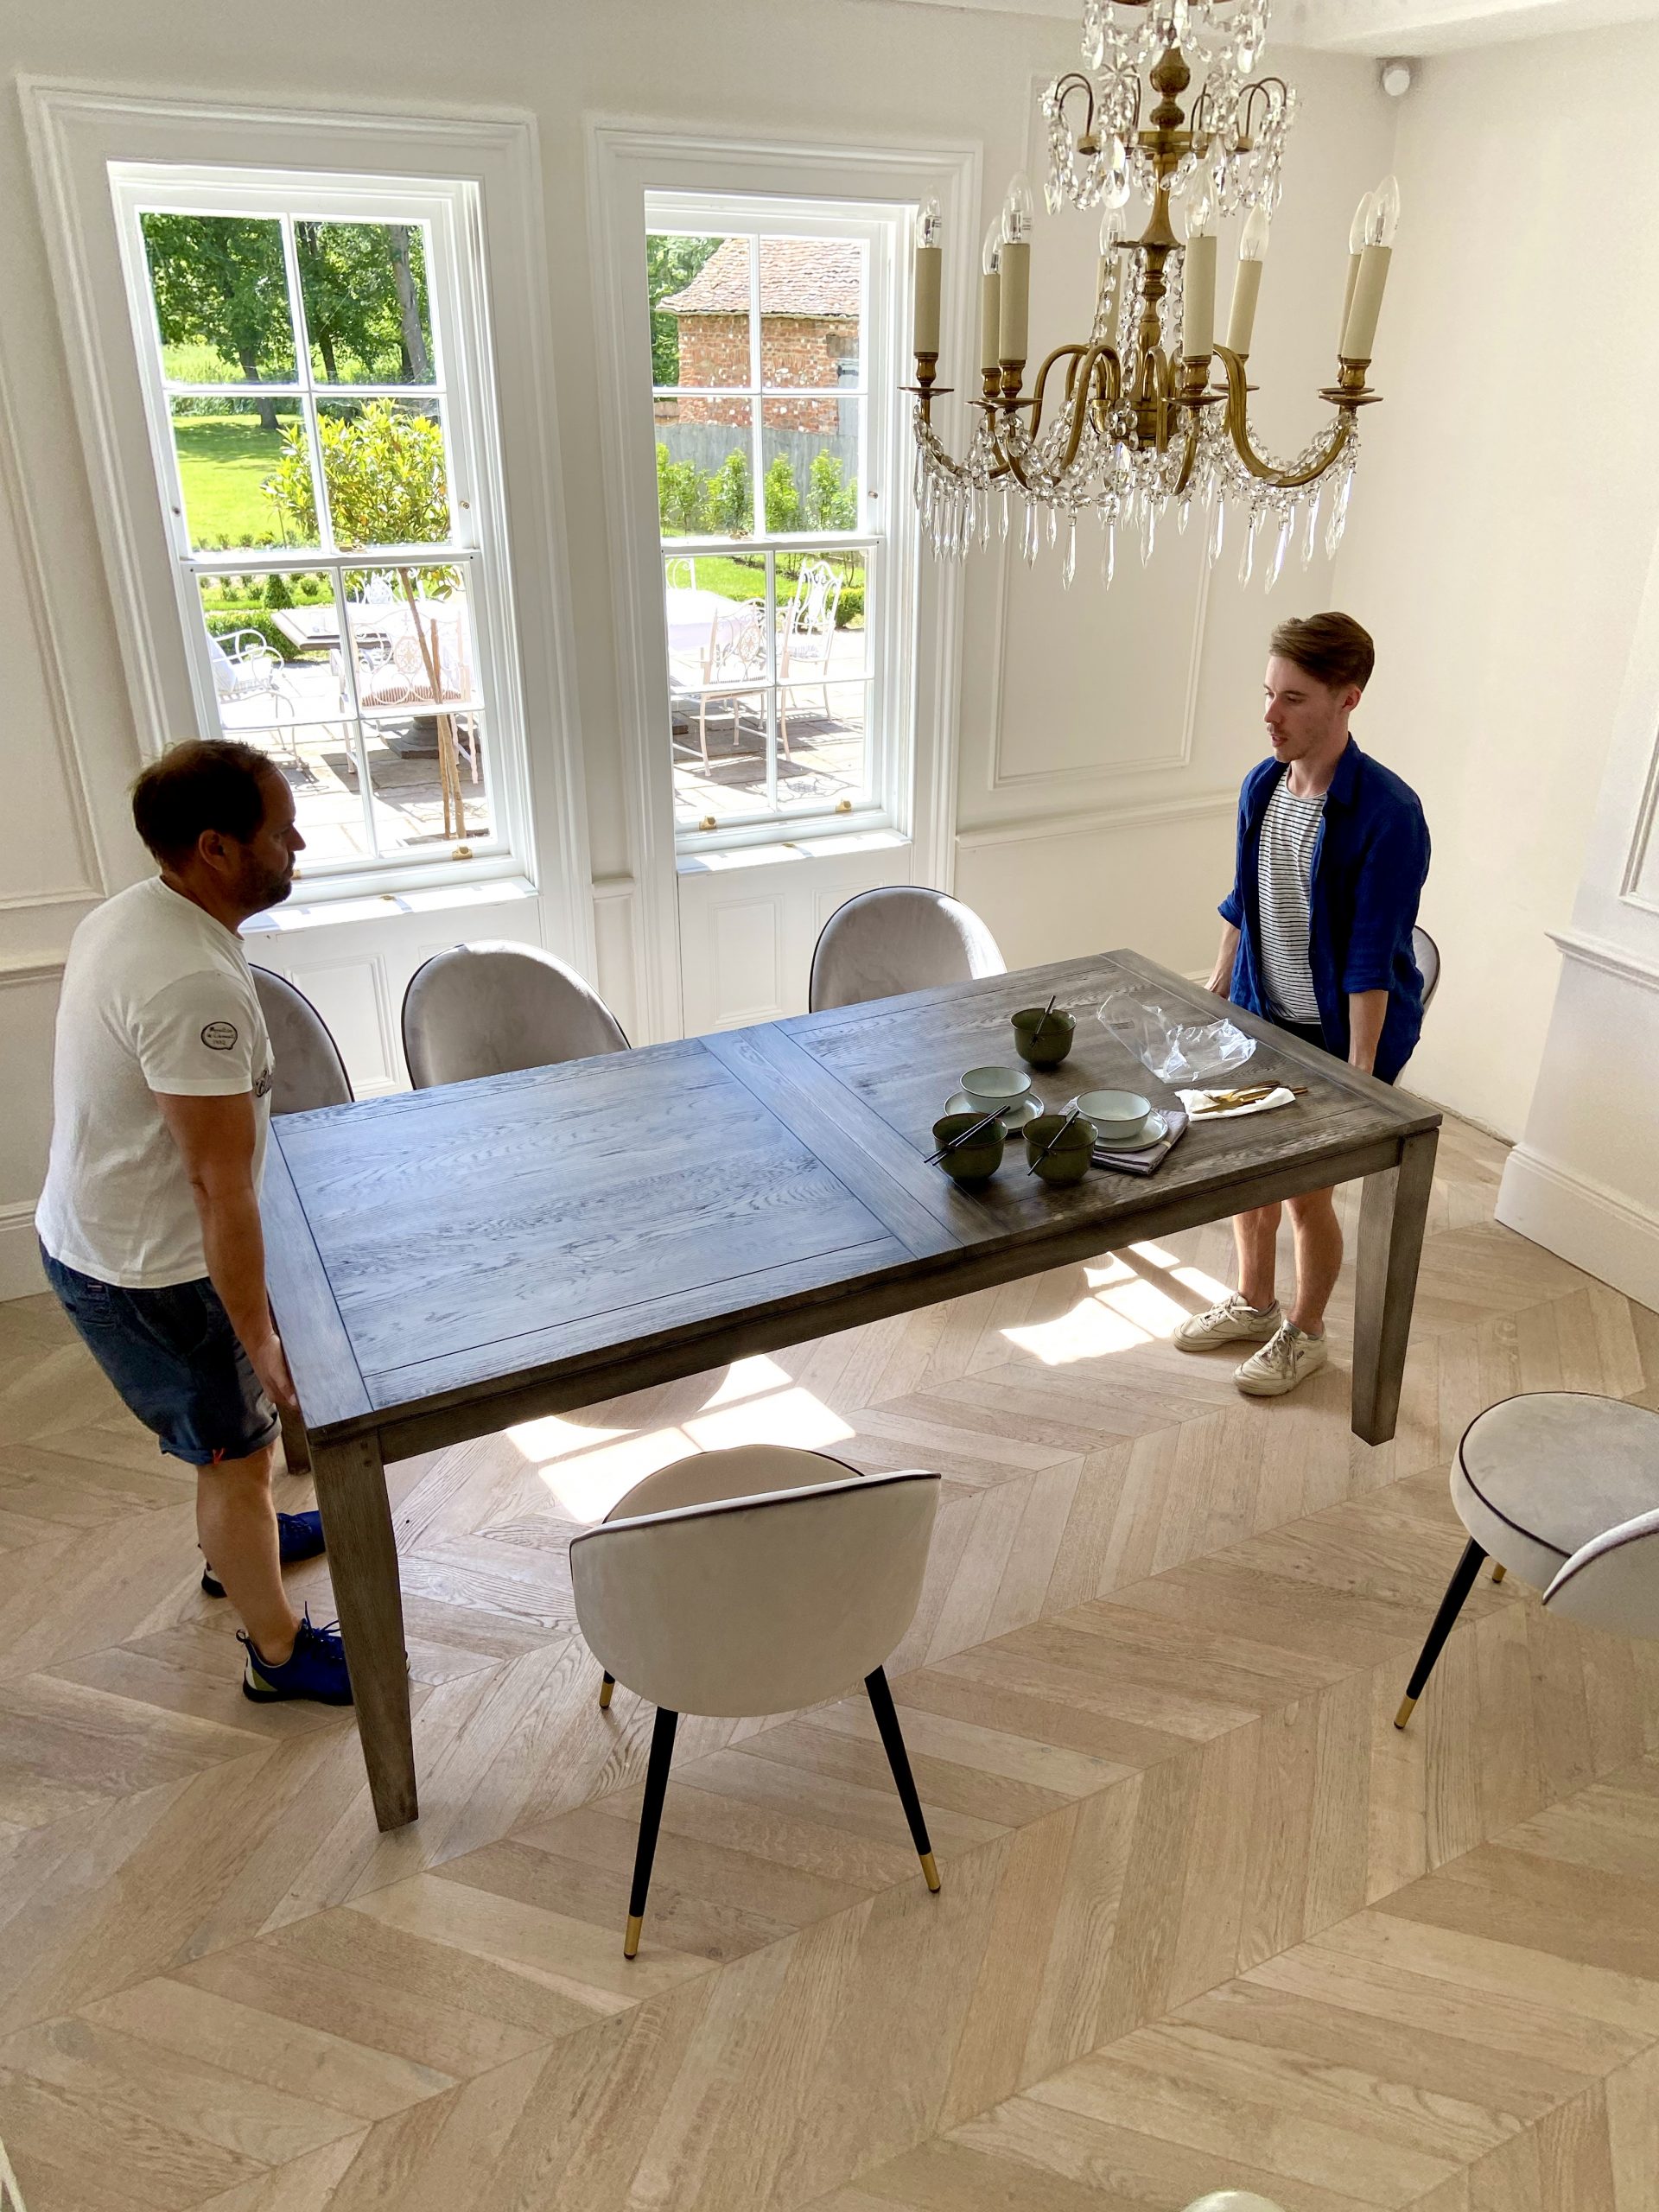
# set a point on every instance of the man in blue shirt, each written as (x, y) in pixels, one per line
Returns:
(1332, 851)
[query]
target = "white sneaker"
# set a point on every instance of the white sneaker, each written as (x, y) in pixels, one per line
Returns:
(1288, 1358)
(1233, 1322)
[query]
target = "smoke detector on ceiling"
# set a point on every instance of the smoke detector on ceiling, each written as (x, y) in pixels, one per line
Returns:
(1396, 79)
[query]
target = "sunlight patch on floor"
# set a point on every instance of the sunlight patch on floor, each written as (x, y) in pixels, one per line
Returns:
(1090, 1331)
(793, 1416)
(586, 1488)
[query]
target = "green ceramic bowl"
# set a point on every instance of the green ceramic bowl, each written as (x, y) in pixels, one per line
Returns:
(970, 1163)
(1068, 1162)
(1043, 1040)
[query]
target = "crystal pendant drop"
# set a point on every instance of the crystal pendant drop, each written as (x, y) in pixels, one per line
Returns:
(1183, 515)
(1109, 559)
(1339, 513)
(1005, 512)
(1053, 198)
(1032, 539)
(1247, 559)
(1217, 529)
(1148, 530)
(1069, 567)
(1310, 535)
(1281, 547)
(1053, 527)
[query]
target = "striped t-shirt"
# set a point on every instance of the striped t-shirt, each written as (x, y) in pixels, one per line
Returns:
(1284, 881)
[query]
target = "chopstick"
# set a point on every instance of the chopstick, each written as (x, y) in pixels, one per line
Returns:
(1054, 1140)
(1226, 1102)
(962, 1136)
(1043, 1018)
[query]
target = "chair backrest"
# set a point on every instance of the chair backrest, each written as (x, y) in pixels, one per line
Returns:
(309, 1069)
(758, 1604)
(900, 937)
(680, 574)
(486, 1009)
(1427, 954)
(1613, 1582)
(812, 612)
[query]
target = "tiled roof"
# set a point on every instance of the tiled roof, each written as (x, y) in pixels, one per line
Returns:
(805, 276)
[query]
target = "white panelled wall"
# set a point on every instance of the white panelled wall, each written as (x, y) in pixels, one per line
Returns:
(1495, 545)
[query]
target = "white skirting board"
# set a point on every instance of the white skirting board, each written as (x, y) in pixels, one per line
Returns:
(1583, 1221)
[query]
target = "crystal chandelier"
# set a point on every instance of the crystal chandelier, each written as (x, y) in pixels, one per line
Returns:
(1127, 423)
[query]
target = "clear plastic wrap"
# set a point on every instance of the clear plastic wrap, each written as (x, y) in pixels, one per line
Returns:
(1171, 1045)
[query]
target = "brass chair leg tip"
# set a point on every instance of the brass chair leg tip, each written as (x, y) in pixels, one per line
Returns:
(630, 1940)
(1404, 1713)
(1498, 1574)
(605, 1689)
(930, 1872)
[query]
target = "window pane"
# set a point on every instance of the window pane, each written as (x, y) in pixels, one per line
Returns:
(385, 466)
(705, 485)
(368, 317)
(821, 758)
(319, 760)
(412, 640)
(220, 290)
(245, 473)
(809, 454)
(273, 647)
(811, 298)
(428, 782)
(700, 294)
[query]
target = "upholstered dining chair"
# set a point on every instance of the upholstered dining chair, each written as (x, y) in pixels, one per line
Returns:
(490, 1008)
(900, 937)
(309, 1069)
(755, 1580)
(1562, 1488)
(1427, 954)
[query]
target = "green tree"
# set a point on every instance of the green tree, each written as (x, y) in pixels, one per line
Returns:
(730, 507)
(670, 264)
(364, 285)
(682, 495)
(830, 505)
(783, 496)
(383, 462)
(219, 280)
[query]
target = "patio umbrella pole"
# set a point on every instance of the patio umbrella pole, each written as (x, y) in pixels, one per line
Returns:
(449, 771)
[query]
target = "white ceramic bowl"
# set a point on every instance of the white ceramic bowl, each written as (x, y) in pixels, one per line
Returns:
(1117, 1115)
(990, 1087)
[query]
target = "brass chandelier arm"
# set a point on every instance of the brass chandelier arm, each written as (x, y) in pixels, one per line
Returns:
(1238, 429)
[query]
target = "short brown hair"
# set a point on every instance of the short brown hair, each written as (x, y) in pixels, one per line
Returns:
(206, 783)
(1330, 648)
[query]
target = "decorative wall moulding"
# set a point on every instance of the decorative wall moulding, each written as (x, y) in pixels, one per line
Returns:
(30, 968)
(1033, 828)
(1612, 959)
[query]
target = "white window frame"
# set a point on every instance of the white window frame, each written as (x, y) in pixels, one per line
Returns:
(478, 177)
(890, 547)
(447, 212)
(628, 161)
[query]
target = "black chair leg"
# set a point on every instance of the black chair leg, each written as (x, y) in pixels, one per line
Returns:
(899, 1760)
(605, 1689)
(651, 1820)
(1462, 1582)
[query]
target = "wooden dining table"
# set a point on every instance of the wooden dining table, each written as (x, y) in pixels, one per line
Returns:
(445, 1262)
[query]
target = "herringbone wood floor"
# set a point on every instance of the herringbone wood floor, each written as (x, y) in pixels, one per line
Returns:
(1207, 1918)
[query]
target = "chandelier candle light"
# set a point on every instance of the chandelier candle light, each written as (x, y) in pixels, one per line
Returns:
(1138, 424)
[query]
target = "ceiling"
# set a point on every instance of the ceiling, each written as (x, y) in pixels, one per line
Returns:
(1396, 27)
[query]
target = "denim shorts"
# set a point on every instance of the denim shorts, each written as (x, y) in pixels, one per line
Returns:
(175, 1360)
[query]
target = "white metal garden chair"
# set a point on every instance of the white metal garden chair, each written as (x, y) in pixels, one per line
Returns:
(806, 639)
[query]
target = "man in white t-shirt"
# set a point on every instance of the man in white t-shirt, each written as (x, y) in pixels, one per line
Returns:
(150, 1220)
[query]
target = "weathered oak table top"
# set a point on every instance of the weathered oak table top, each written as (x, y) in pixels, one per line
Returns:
(444, 1262)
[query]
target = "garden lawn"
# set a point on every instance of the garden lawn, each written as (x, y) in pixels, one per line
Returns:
(223, 461)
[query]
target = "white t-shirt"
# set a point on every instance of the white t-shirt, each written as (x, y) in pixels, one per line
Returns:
(156, 997)
(1284, 888)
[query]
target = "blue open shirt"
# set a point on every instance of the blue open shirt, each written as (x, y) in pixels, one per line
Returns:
(1370, 858)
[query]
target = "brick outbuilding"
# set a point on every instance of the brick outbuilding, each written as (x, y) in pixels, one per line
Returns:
(810, 297)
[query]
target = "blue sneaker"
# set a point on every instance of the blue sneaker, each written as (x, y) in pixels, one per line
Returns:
(316, 1668)
(299, 1535)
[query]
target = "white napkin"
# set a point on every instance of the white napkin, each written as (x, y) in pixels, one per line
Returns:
(1196, 1103)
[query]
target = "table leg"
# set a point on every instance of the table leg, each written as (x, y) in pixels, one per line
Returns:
(363, 1565)
(296, 1452)
(1393, 1207)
